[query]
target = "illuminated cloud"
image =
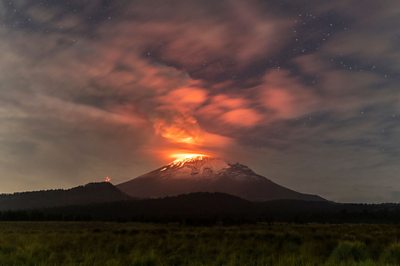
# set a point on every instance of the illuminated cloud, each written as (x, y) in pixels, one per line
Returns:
(230, 111)
(242, 117)
(285, 97)
(186, 97)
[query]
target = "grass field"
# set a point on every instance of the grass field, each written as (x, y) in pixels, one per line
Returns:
(67, 243)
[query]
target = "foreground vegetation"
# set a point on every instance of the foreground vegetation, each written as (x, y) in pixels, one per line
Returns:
(92, 243)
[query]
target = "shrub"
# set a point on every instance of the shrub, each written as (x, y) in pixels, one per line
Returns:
(392, 254)
(349, 251)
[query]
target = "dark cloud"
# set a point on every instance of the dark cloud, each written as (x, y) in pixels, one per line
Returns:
(306, 93)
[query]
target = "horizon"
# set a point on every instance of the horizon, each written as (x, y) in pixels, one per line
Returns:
(180, 162)
(305, 94)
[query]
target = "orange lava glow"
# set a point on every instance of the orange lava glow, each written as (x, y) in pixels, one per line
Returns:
(181, 158)
(185, 156)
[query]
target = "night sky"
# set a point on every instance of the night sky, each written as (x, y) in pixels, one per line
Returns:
(305, 93)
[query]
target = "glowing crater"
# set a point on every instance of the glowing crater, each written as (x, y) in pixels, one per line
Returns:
(182, 158)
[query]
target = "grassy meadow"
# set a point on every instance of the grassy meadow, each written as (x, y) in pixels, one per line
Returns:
(97, 243)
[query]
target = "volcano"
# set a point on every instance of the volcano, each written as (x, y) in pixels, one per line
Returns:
(208, 174)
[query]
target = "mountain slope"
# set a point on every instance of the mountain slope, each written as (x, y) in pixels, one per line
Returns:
(88, 194)
(209, 175)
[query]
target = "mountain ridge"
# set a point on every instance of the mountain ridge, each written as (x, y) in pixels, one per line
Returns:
(214, 208)
(85, 194)
(209, 175)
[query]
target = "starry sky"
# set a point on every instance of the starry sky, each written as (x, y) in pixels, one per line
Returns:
(305, 93)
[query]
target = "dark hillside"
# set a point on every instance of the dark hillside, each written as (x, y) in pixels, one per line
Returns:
(90, 193)
(199, 208)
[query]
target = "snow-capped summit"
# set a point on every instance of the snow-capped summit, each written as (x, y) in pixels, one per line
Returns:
(199, 167)
(208, 174)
